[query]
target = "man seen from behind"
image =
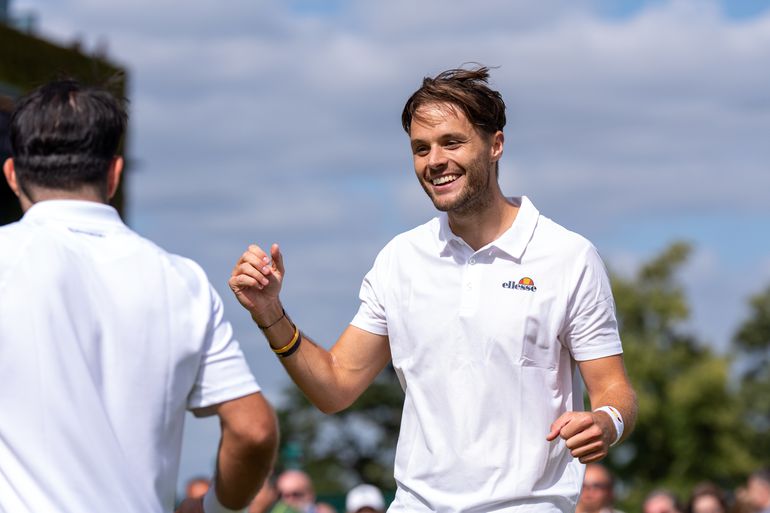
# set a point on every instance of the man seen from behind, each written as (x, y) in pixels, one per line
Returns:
(106, 340)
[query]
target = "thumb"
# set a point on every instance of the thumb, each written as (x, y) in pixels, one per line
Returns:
(557, 426)
(275, 253)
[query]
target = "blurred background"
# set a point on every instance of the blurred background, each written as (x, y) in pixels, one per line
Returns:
(639, 124)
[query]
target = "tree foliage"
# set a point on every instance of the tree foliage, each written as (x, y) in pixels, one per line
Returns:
(690, 426)
(349, 447)
(752, 344)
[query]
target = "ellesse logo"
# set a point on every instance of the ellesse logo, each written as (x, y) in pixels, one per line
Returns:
(525, 283)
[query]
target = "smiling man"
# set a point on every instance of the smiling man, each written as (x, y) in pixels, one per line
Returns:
(486, 312)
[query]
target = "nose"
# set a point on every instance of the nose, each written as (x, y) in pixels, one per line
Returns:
(436, 158)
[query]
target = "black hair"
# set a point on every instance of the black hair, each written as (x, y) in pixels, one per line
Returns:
(64, 135)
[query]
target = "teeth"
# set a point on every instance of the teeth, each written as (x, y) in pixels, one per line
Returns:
(444, 179)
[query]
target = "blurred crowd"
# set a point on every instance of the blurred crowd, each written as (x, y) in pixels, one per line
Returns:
(598, 496)
(292, 491)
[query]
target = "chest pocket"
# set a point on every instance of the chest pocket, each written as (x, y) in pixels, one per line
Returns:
(526, 321)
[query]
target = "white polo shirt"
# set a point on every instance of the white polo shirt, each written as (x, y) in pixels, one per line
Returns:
(484, 343)
(105, 341)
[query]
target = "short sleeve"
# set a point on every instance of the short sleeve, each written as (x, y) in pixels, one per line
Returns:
(371, 314)
(591, 327)
(223, 374)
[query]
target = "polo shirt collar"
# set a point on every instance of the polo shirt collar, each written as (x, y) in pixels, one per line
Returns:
(513, 241)
(72, 211)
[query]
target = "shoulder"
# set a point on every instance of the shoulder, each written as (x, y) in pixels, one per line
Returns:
(188, 271)
(14, 238)
(422, 238)
(424, 235)
(560, 237)
(10, 236)
(177, 269)
(562, 242)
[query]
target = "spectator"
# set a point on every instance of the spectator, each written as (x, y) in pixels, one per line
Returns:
(296, 489)
(268, 500)
(197, 487)
(322, 507)
(364, 498)
(758, 490)
(707, 498)
(597, 493)
(661, 501)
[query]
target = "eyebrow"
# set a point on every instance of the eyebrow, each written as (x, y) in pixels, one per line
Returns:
(450, 135)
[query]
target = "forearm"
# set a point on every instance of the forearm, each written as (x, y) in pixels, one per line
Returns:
(622, 397)
(312, 368)
(247, 451)
(333, 379)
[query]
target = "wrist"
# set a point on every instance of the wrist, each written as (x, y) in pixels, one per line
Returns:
(616, 419)
(268, 315)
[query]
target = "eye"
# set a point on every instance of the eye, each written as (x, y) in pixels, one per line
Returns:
(420, 150)
(452, 144)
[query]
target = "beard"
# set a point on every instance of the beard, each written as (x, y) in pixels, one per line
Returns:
(476, 194)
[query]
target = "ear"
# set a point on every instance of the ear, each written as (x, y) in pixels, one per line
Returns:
(498, 141)
(113, 176)
(10, 176)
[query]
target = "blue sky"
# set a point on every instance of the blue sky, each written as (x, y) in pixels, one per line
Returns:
(634, 123)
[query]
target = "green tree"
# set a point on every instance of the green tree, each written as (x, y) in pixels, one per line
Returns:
(355, 445)
(752, 343)
(690, 425)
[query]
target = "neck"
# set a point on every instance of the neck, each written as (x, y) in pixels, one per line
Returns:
(481, 227)
(38, 194)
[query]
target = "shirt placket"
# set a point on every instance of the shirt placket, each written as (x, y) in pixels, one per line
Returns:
(471, 286)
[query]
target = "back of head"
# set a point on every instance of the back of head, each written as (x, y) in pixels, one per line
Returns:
(465, 89)
(64, 135)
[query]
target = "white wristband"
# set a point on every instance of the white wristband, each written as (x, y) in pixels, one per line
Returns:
(617, 419)
(212, 505)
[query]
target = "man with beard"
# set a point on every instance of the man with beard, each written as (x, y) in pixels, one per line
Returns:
(487, 313)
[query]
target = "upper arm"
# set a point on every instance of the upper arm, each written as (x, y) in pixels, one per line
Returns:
(223, 372)
(249, 417)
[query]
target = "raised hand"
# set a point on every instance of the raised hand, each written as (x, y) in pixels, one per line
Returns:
(256, 281)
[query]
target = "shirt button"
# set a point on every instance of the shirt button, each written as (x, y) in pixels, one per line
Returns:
(472, 261)
(468, 286)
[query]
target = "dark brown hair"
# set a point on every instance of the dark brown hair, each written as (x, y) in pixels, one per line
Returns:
(466, 89)
(64, 135)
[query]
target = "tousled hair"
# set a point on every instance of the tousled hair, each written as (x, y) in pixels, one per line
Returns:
(64, 135)
(467, 90)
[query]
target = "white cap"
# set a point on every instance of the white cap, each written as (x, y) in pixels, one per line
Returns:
(362, 496)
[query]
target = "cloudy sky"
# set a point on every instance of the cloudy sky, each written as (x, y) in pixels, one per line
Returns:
(634, 123)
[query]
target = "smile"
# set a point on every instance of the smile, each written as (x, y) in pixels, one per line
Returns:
(441, 180)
